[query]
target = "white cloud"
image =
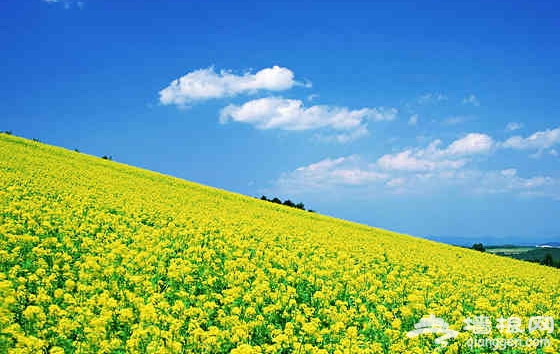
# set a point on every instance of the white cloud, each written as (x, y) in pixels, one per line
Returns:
(473, 143)
(471, 99)
(511, 126)
(427, 170)
(354, 177)
(408, 160)
(472, 181)
(413, 120)
(538, 141)
(508, 180)
(434, 158)
(290, 114)
(206, 84)
(329, 173)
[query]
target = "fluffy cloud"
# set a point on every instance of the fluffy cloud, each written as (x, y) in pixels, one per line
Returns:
(207, 84)
(473, 181)
(434, 158)
(409, 161)
(413, 120)
(290, 114)
(424, 170)
(537, 141)
(331, 123)
(354, 177)
(508, 180)
(473, 143)
(329, 173)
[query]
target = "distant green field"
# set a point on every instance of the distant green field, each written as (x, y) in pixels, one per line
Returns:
(509, 250)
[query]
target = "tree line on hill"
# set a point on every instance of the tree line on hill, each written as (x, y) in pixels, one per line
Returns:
(478, 247)
(287, 202)
(547, 257)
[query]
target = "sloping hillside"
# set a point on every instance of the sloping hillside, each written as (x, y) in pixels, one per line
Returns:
(100, 257)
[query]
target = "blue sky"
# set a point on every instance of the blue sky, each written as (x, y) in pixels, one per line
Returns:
(434, 119)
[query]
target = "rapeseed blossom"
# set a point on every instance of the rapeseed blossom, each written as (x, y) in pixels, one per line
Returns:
(99, 257)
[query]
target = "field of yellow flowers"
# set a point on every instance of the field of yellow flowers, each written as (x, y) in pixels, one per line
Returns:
(100, 257)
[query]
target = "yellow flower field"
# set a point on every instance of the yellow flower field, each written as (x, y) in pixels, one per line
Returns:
(100, 257)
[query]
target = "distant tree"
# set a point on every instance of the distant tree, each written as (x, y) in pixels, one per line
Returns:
(36, 140)
(76, 150)
(289, 203)
(311, 210)
(7, 132)
(105, 157)
(548, 260)
(276, 200)
(478, 247)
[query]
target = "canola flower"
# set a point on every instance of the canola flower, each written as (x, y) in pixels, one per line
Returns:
(99, 257)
